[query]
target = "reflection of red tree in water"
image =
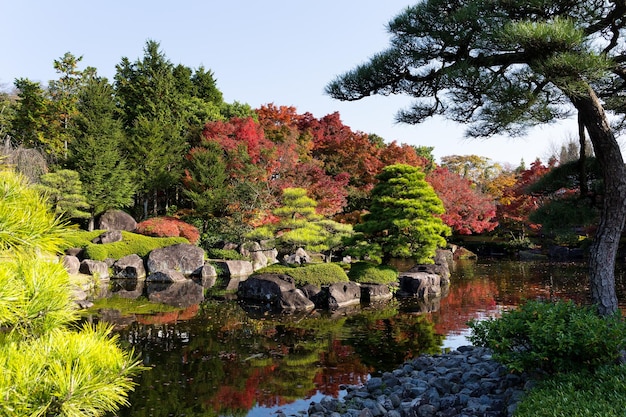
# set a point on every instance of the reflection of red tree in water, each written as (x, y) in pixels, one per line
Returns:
(169, 317)
(339, 366)
(230, 398)
(466, 300)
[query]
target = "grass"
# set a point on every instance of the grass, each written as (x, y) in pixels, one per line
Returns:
(367, 273)
(131, 243)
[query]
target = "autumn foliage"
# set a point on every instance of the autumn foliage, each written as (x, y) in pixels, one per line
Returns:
(168, 227)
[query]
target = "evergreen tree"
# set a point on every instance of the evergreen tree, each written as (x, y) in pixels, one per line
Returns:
(49, 369)
(403, 217)
(64, 192)
(29, 122)
(96, 151)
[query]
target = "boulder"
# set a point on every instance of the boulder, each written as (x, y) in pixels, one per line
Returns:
(128, 288)
(208, 274)
(183, 257)
(234, 268)
(277, 291)
(339, 295)
(130, 266)
(95, 268)
(166, 276)
(71, 264)
(116, 220)
(77, 252)
(110, 236)
(375, 292)
(441, 266)
(178, 294)
(421, 284)
(298, 258)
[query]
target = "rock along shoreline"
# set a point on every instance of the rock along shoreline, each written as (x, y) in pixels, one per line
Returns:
(464, 382)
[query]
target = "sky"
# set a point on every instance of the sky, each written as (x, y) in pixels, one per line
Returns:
(273, 51)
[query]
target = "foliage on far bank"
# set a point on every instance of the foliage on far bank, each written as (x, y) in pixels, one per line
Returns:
(552, 337)
(315, 274)
(167, 226)
(368, 273)
(132, 243)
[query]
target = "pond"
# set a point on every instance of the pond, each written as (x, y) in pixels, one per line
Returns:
(217, 359)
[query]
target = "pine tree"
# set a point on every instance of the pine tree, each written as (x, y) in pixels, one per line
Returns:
(403, 217)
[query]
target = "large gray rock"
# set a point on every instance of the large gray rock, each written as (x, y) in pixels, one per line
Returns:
(95, 268)
(71, 264)
(183, 257)
(339, 295)
(421, 284)
(110, 236)
(130, 266)
(301, 257)
(178, 294)
(208, 274)
(441, 266)
(375, 292)
(234, 268)
(277, 291)
(117, 220)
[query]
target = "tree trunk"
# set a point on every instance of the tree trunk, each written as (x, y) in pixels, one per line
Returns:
(582, 159)
(613, 214)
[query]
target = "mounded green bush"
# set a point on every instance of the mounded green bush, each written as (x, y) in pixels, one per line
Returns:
(553, 337)
(131, 243)
(315, 274)
(367, 273)
(226, 254)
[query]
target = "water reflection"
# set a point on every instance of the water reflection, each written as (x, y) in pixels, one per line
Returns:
(217, 359)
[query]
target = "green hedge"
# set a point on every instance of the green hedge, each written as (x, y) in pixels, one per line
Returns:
(368, 273)
(315, 274)
(131, 243)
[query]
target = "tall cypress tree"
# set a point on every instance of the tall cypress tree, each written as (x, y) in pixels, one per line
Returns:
(95, 152)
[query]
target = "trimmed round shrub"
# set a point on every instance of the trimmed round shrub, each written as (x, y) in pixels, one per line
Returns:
(552, 337)
(315, 274)
(368, 273)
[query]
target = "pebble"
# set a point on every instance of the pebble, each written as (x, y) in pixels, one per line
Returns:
(465, 382)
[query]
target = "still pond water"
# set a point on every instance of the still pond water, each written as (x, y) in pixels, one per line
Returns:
(217, 359)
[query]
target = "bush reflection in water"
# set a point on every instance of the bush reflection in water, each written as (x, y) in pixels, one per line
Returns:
(216, 359)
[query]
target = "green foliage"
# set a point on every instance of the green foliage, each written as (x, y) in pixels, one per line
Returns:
(315, 274)
(131, 243)
(553, 337)
(226, 254)
(578, 394)
(402, 220)
(368, 273)
(64, 191)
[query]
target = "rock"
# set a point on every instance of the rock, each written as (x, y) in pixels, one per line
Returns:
(340, 295)
(183, 257)
(208, 274)
(178, 294)
(98, 269)
(298, 258)
(424, 285)
(234, 268)
(130, 266)
(277, 291)
(166, 276)
(71, 264)
(77, 252)
(108, 237)
(128, 288)
(117, 220)
(375, 292)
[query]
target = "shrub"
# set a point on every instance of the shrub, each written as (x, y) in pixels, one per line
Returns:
(553, 337)
(226, 254)
(367, 273)
(168, 227)
(315, 274)
(131, 243)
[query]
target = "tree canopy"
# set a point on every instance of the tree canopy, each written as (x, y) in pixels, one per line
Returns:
(504, 66)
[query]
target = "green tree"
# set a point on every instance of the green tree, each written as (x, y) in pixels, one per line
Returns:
(64, 191)
(96, 152)
(153, 115)
(403, 217)
(299, 225)
(29, 122)
(503, 66)
(48, 368)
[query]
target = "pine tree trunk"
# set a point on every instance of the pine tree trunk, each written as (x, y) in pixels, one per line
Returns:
(613, 214)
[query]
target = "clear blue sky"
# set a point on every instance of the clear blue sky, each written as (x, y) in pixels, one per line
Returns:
(273, 51)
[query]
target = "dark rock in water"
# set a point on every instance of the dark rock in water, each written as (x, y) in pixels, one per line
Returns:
(375, 292)
(128, 288)
(183, 257)
(130, 266)
(421, 284)
(234, 268)
(340, 295)
(166, 276)
(277, 291)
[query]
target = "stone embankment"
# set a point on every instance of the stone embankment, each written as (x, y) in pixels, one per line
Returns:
(464, 382)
